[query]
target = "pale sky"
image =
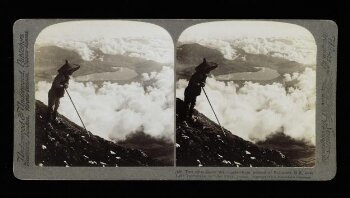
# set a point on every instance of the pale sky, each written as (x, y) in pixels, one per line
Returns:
(92, 29)
(233, 29)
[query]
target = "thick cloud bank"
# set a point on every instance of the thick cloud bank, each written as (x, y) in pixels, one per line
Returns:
(302, 50)
(277, 39)
(114, 111)
(157, 49)
(129, 38)
(255, 111)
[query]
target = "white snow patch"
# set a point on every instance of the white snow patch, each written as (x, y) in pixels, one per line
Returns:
(283, 156)
(186, 123)
(226, 162)
(252, 157)
(247, 152)
(220, 156)
(92, 162)
(43, 147)
(144, 154)
(86, 156)
(51, 138)
(237, 163)
(41, 165)
(177, 145)
(117, 157)
(199, 163)
(67, 165)
(112, 152)
(185, 137)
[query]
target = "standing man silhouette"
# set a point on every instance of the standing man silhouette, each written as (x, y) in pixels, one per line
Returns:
(59, 84)
(195, 85)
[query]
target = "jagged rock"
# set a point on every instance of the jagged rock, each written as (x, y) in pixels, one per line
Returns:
(203, 143)
(67, 144)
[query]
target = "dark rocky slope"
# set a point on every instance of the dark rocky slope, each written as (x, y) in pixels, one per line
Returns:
(67, 144)
(202, 143)
(156, 148)
(300, 152)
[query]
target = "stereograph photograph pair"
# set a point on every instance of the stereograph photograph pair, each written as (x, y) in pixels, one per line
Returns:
(152, 99)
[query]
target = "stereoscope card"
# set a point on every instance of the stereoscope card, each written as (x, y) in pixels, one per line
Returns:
(174, 99)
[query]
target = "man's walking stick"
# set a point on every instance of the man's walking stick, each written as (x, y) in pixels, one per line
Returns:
(213, 111)
(77, 111)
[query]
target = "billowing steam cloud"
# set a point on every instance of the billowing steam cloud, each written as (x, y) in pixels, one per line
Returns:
(255, 111)
(114, 111)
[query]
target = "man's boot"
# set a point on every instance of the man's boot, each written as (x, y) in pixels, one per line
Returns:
(48, 117)
(55, 119)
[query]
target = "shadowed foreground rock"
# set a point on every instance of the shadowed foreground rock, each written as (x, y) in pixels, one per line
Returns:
(67, 144)
(202, 143)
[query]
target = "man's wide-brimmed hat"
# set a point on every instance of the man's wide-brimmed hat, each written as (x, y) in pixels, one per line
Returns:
(206, 67)
(68, 68)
